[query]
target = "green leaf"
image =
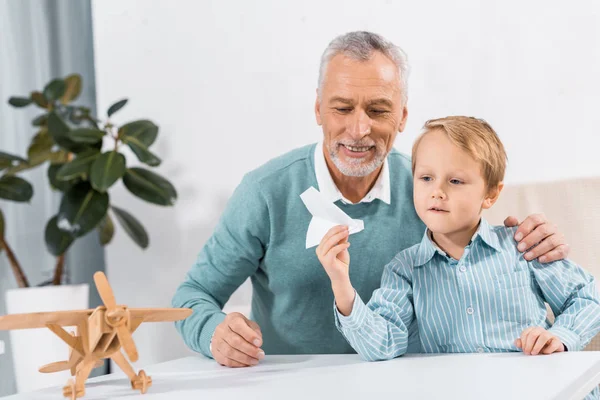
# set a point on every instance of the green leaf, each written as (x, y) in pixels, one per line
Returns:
(106, 170)
(116, 107)
(16, 169)
(19, 101)
(59, 130)
(132, 226)
(57, 240)
(63, 186)
(143, 154)
(73, 88)
(9, 160)
(15, 188)
(144, 131)
(81, 209)
(150, 186)
(55, 89)
(40, 148)
(106, 230)
(86, 135)
(139, 136)
(39, 99)
(40, 120)
(79, 167)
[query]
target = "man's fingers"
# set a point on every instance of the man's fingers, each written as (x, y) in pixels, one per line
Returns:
(241, 327)
(541, 341)
(559, 253)
(511, 221)
(226, 362)
(234, 358)
(250, 353)
(255, 327)
(527, 226)
(538, 234)
(546, 245)
(518, 343)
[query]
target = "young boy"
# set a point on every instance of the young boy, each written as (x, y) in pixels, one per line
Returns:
(465, 283)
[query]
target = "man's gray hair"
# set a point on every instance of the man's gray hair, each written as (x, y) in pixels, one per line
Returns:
(360, 46)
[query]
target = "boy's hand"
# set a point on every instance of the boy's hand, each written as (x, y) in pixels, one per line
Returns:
(333, 254)
(536, 340)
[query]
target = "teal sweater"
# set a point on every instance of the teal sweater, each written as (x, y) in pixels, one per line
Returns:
(262, 235)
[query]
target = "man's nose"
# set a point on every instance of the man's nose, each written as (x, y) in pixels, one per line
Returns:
(359, 125)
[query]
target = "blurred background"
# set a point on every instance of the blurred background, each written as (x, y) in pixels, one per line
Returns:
(231, 84)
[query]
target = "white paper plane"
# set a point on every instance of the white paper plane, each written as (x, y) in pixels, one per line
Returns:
(326, 215)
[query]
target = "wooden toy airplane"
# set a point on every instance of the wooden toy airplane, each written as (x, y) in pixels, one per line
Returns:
(101, 333)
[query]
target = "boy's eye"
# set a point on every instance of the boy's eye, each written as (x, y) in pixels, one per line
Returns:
(426, 178)
(455, 181)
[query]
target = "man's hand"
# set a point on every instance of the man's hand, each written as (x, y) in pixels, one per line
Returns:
(536, 231)
(236, 342)
(536, 340)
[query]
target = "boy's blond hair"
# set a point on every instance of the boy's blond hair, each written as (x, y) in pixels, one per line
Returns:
(477, 138)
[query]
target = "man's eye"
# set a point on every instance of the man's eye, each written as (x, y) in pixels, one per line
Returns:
(376, 111)
(344, 110)
(455, 181)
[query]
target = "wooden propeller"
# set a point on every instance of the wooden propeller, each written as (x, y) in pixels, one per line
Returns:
(117, 317)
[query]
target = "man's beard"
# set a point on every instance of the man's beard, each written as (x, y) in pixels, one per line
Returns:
(356, 167)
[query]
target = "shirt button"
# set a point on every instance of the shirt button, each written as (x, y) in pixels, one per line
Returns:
(480, 350)
(462, 268)
(470, 310)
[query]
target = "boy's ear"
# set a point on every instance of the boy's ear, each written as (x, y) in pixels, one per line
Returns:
(492, 196)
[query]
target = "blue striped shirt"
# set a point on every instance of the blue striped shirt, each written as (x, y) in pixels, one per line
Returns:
(480, 303)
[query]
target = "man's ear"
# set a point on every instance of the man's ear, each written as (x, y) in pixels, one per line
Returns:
(318, 109)
(403, 119)
(492, 196)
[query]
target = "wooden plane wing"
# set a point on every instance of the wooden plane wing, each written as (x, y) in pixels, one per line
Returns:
(40, 319)
(160, 314)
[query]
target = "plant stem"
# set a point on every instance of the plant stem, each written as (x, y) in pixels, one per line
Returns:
(16, 267)
(58, 270)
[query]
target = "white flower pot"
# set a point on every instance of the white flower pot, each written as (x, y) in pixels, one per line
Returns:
(32, 348)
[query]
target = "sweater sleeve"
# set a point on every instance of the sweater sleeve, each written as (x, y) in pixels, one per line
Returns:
(231, 255)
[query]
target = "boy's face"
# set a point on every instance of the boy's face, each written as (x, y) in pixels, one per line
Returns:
(449, 189)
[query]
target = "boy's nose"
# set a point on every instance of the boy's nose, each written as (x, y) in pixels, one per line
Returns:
(438, 194)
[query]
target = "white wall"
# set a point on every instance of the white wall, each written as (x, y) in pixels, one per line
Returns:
(231, 84)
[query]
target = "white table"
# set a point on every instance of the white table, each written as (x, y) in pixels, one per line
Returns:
(449, 376)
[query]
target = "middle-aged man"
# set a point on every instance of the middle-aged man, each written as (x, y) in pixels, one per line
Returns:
(361, 105)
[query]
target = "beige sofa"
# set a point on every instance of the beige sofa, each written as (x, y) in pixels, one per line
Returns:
(573, 205)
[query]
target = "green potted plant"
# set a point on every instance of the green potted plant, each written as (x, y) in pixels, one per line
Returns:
(83, 158)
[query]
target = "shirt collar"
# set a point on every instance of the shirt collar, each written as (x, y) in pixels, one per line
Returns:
(381, 189)
(428, 248)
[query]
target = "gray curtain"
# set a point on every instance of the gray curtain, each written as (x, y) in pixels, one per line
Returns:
(41, 40)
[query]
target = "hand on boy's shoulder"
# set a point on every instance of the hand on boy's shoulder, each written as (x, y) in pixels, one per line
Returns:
(540, 238)
(537, 340)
